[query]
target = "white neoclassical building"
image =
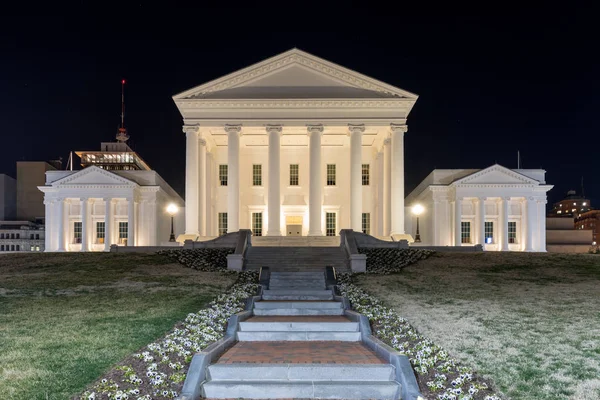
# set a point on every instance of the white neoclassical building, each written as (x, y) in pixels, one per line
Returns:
(295, 145)
(499, 208)
(115, 199)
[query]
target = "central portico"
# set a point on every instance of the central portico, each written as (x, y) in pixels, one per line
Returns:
(295, 145)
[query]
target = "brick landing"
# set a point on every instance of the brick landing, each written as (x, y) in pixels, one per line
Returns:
(298, 318)
(317, 352)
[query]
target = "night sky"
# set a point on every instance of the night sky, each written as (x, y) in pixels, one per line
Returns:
(488, 87)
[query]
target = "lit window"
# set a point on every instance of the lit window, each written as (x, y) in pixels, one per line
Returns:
(222, 224)
(223, 174)
(366, 223)
(77, 228)
(330, 174)
(561, 205)
(465, 232)
(574, 204)
(257, 224)
(573, 210)
(330, 227)
(584, 203)
(123, 233)
(256, 175)
(559, 212)
(294, 177)
(489, 232)
(512, 232)
(100, 232)
(365, 174)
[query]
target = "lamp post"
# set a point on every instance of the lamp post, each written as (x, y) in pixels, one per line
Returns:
(417, 210)
(172, 210)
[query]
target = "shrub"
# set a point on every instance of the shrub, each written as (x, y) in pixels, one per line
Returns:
(386, 261)
(201, 259)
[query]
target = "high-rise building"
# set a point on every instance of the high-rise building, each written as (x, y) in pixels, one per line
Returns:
(571, 206)
(8, 197)
(30, 201)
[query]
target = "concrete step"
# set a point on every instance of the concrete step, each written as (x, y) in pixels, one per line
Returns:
(298, 311)
(296, 287)
(297, 295)
(298, 326)
(297, 305)
(299, 336)
(296, 372)
(267, 389)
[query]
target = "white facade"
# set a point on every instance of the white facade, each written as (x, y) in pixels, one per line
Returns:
(500, 208)
(306, 147)
(90, 209)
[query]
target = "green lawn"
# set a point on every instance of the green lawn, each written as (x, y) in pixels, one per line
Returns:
(66, 318)
(529, 322)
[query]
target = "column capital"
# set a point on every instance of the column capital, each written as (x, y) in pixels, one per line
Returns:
(84, 199)
(190, 129)
(483, 198)
(387, 141)
(233, 128)
(274, 129)
(107, 199)
(398, 128)
(356, 128)
(201, 141)
(315, 129)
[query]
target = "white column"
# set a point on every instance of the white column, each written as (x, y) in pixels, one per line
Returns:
(398, 178)
(356, 132)
(435, 223)
(233, 177)
(48, 223)
(541, 225)
(531, 217)
(457, 221)
(315, 184)
(108, 220)
(481, 221)
(84, 224)
(202, 187)
(60, 223)
(387, 186)
(130, 222)
(379, 198)
(504, 223)
(191, 181)
(274, 197)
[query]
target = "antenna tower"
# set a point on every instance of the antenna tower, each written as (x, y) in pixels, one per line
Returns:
(122, 135)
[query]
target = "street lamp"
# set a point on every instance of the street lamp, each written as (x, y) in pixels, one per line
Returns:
(172, 210)
(417, 210)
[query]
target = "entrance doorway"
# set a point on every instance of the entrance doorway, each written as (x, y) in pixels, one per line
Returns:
(293, 225)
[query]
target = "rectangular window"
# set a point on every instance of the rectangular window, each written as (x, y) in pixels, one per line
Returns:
(18, 247)
(330, 227)
(489, 232)
(223, 174)
(31, 236)
(77, 232)
(37, 236)
(222, 223)
(465, 232)
(257, 224)
(365, 174)
(366, 223)
(294, 177)
(330, 174)
(512, 232)
(18, 236)
(100, 232)
(256, 175)
(123, 233)
(1, 247)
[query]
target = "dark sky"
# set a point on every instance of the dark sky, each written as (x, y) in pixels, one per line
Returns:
(488, 86)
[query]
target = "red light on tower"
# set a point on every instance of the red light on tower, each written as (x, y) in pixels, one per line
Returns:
(123, 81)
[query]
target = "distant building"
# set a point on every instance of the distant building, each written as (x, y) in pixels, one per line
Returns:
(500, 208)
(589, 220)
(30, 201)
(8, 197)
(562, 237)
(20, 236)
(571, 206)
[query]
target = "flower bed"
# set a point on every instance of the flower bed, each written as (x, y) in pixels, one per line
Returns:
(439, 376)
(387, 261)
(201, 259)
(159, 369)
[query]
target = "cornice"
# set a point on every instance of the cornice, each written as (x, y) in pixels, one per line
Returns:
(61, 183)
(508, 172)
(312, 103)
(494, 185)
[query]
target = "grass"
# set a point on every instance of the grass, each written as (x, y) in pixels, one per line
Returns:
(66, 318)
(529, 322)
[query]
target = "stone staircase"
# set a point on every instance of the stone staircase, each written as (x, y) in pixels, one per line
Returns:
(299, 344)
(295, 259)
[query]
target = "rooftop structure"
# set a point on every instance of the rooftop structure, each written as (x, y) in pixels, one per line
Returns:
(571, 206)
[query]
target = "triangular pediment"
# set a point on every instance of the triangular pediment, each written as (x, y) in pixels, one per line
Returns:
(295, 74)
(93, 176)
(496, 175)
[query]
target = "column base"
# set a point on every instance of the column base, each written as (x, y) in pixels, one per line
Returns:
(315, 234)
(278, 233)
